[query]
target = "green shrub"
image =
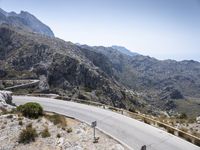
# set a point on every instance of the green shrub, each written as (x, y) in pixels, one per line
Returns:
(31, 110)
(45, 133)
(3, 110)
(28, 135)
(20, 123)
(69, 130)
(183, 116)
(87, 89)
(132, 110)
(20, 118)
(58, 135)
(63, 128)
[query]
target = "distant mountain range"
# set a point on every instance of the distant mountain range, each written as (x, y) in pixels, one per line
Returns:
(26, 21)
(110, 75)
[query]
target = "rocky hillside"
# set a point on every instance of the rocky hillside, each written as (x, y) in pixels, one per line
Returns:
(161, 83)
(78, 72)
(141, 72)
(62, 67)
(110, 75)
(26, 21)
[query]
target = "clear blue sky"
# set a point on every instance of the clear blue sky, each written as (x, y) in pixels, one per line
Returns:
(164, 29)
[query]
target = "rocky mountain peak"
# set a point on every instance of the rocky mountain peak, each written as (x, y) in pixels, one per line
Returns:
(3, 12)
(26, 21)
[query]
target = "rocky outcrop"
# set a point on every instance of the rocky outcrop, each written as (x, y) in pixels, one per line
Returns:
(6, 99)
(170, 93)
(43, 84)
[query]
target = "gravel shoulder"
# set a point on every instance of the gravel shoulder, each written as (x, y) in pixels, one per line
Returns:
(81, 137)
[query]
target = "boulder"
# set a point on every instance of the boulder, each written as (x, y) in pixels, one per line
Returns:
(6, 99)
(198, 119)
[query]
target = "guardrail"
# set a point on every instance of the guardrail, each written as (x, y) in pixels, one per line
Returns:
(136, 115)
(24, 83)
(170, 129)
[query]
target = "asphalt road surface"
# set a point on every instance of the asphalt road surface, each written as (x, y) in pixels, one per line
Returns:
(129, 131)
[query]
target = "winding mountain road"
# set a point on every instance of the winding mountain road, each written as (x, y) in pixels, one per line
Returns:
(25, 85)
(129, 131)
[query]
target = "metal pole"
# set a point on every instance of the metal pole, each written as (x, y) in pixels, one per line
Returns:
(94, 135)
(94, 124)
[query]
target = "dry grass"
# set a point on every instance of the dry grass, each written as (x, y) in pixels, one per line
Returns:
(57, 120)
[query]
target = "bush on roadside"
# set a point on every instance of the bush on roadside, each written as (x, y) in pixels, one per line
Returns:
(31, 110)
(20, 123)
(183, 116)
(45, 133)
(69, 130)
(57, 120)
(58, 135)
(28, 135)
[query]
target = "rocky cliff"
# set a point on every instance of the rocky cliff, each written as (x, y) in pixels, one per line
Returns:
(6, 100)
(64, 68)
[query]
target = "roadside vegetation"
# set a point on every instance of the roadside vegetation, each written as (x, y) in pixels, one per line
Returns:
(31, 110)
(34, 111)
(28, 135)
(45, 133)
(58, 120)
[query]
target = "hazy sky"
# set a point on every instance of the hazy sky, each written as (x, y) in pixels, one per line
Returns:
(165, 29)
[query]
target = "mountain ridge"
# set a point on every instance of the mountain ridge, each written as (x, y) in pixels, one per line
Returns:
(26, 21)
(124, 50)
(98, 73)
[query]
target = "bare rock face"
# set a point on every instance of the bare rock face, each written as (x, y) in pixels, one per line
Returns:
(6, 99)
(43, 84)
(171, 93)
